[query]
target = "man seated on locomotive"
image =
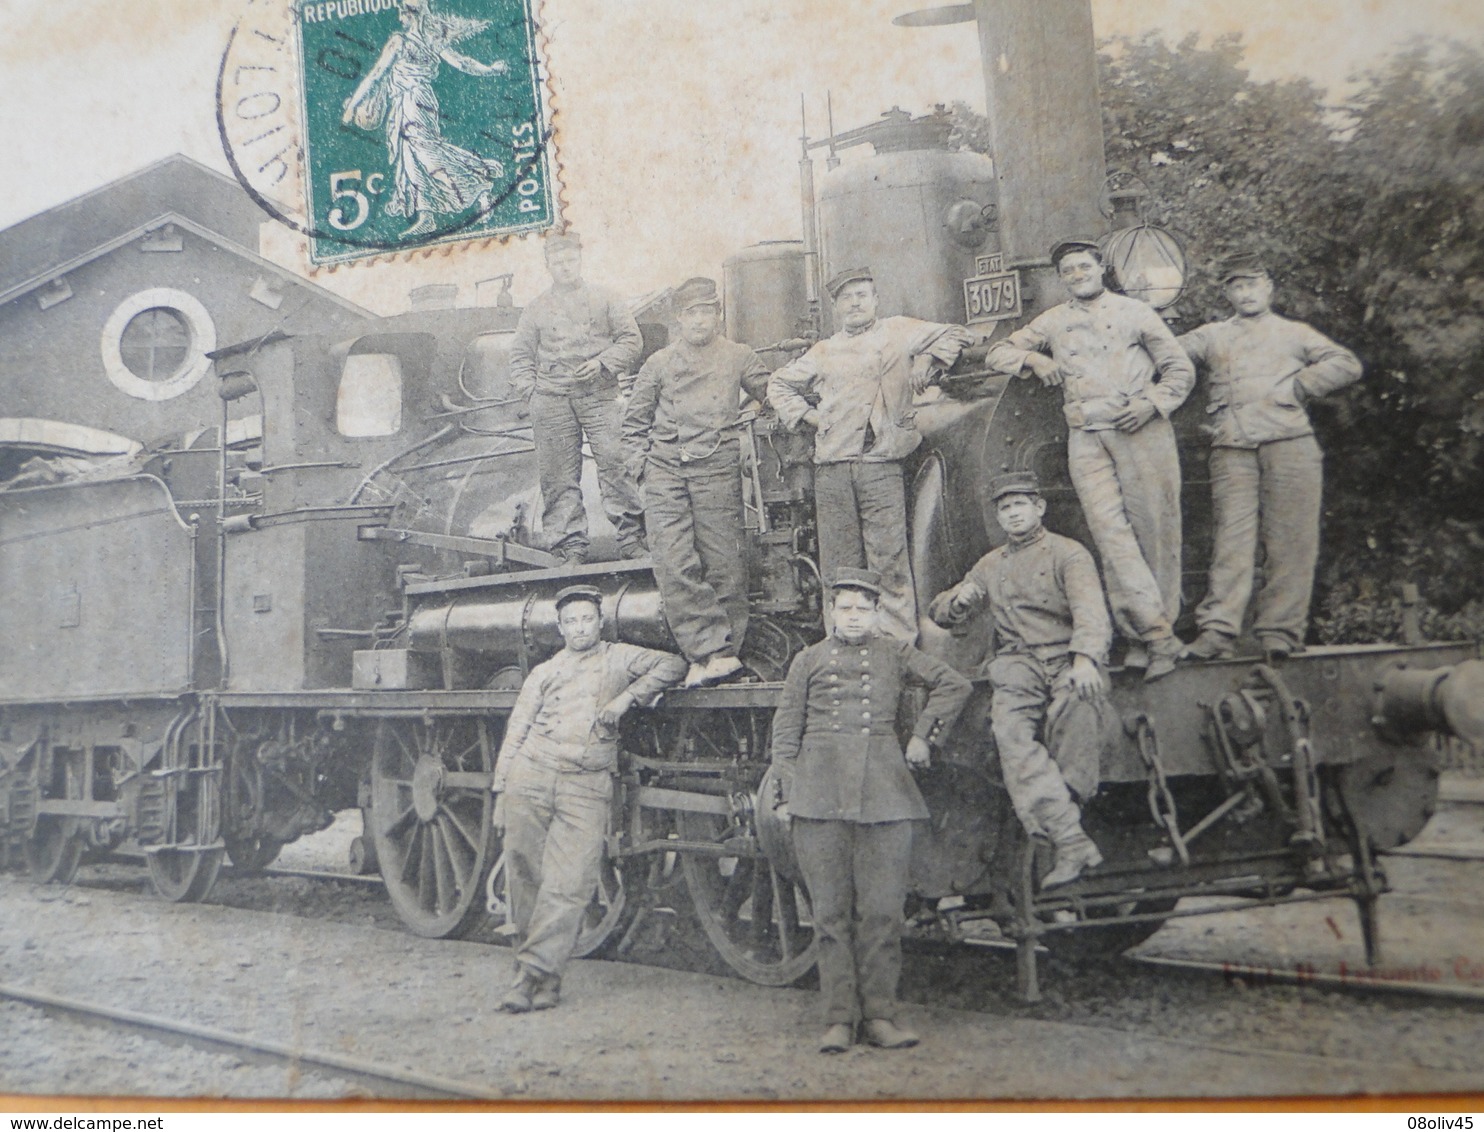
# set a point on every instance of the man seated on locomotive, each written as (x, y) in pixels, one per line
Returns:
(852, 801)
(855, 388)
(1267, 472)
(554, 782)
(1105, 351)
(1051, 638)
(680, 432)
(572, 344)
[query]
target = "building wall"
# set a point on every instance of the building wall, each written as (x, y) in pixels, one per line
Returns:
(51, 360)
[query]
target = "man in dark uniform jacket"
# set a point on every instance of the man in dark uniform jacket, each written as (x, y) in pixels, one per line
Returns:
(852, 799)
(1051, 638)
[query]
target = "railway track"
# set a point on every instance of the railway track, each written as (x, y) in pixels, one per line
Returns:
(381, 1080)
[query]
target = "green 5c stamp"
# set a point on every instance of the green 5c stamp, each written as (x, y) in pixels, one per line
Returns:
(422, 123)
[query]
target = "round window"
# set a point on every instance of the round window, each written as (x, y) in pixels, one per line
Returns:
(155, 344)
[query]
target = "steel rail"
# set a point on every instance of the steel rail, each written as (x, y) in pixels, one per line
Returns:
(1252, 973)
(350, 1067)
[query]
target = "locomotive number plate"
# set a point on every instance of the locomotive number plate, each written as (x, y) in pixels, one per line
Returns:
(992, 297)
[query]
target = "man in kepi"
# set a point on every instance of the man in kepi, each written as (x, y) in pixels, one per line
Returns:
(1051, 637)
(554, 781)
(571, 346)
(680, 432)
(850, 792)
(1105, 351)
(1266, 468)
(855, 388)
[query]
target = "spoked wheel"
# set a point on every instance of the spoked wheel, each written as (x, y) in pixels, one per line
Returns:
(608, 912)
(758, 920)
(184, 876)
(252, 854)
(430, 820)
(55, 851)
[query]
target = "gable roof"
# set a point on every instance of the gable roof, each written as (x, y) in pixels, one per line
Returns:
(176, 188)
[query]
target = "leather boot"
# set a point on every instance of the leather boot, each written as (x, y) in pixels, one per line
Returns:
(1212, 644)
(548, 992)
(1074, 855)
(886, 1034)
(838, 1037)
(517, 999)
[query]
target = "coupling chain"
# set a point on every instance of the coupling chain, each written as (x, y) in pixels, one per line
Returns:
(1161, 802)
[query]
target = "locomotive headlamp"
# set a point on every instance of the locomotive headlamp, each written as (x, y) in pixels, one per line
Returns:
(1147, 261)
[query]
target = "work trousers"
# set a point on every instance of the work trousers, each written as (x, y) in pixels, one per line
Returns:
(693, 514)
(856, 873)
(559, 421)
(1270, 494)
(861, 509)
(1129, 486)
(1049, 739)
(554, 828)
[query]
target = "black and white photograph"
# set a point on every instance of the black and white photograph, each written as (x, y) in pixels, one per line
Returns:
(744, 553)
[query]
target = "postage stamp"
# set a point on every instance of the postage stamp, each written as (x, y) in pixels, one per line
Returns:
(374, 127)
(422, 123)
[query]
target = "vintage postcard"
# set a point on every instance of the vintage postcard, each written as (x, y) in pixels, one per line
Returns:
(749, 552)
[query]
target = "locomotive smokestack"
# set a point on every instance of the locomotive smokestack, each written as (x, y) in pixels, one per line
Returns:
(1046, 130)
(1041, 90)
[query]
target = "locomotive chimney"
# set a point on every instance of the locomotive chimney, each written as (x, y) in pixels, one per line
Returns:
(1045, 123)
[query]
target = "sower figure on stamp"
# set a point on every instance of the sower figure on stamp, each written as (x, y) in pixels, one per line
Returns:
(554, 781)
(1267, 472)
(571, 346)
(1105, 351)
(852, 800)
(680, 431)
(855, 388)
(1051, 633)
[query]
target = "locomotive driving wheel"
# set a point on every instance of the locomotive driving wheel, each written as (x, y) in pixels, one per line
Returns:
(54, 851)
(184, 876)
(758, 920)
(430, 820)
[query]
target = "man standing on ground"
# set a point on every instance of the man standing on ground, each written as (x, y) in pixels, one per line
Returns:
(855, 389)
(1051, 638)
(571, 346)
(1267, 472)
(680, 432)
(852, 801)
(1104, 350)
(554, 781)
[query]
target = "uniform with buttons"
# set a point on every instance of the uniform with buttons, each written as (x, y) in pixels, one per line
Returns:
(853, 799)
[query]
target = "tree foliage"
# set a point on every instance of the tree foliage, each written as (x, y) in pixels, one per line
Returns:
(1371, 215)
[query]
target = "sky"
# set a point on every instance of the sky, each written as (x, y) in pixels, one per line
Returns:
(678, 120)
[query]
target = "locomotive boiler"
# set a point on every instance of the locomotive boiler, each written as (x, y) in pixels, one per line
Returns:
(327, 596)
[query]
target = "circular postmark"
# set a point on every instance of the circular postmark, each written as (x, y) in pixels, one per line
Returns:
(383, 126)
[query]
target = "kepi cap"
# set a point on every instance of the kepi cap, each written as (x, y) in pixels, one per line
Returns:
(579, 593)
(558, 240)
(854, 578)
(1070, 244)
(1241, 265)
(1014, 483)
(696, 292)
(841, 279)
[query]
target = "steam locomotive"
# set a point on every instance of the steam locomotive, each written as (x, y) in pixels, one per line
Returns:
(327, 597)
